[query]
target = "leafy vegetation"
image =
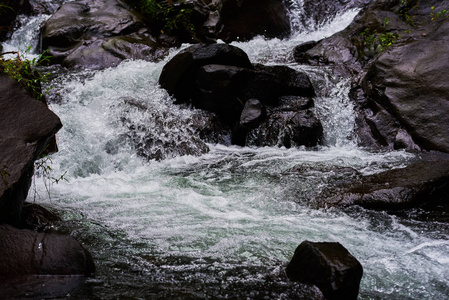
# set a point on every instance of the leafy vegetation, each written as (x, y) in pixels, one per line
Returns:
(436, 15)
(372, 41)
(170, 17)
(24, 72)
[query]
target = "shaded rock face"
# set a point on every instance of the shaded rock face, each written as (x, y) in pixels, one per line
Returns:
(422, 184)
(219, 78)
(25, 252)
(329, 266)
(178, 75)
(400, 93)
(97, 34)
(21, 143)
(8, 14)
(409, 83)
(243, 20)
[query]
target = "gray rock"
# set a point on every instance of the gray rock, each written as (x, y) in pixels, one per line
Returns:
(97, 34)
(26, 126)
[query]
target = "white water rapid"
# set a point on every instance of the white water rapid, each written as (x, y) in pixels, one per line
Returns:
(223, 224)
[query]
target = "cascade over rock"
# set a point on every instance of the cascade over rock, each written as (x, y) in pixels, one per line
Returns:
(329, 266)
(26, 126)
(401, 92)
(219, 78)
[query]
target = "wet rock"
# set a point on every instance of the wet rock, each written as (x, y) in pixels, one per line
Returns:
(329, 266)
(97, 34)
(287, 129)
(36, 217)
(26, 126)
(422, 184)
(26, 252)
(253, 113)
(243, 20)
(299, 51)
(179, 74)
(291, 81)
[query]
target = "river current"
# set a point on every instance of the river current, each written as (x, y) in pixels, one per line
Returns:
(224, 224)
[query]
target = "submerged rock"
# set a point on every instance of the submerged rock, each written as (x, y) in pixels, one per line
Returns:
(26, 127)
(329, 266)
(422, 184)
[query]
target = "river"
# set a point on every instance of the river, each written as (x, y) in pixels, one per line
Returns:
(224, 224)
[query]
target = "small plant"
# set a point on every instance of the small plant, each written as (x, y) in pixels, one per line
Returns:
(23, 71)
(166, 14)
(371, 40)
(43, 168)
(436, 15)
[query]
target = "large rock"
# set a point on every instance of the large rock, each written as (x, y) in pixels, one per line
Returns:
(178, 75)
(97, 34)
(410, 83)
(242, 20)
(329, 266)
(26, 252)
(219, 78)
(399, 90)
(26, 126)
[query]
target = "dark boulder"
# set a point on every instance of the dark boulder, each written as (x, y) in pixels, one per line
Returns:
(424, 184)
(26, 127)
(329, 266)
(179, 74)
(97, 34)
(26, 252)
(243, 20)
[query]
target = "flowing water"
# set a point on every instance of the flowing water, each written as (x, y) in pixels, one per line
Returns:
(224, 224)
